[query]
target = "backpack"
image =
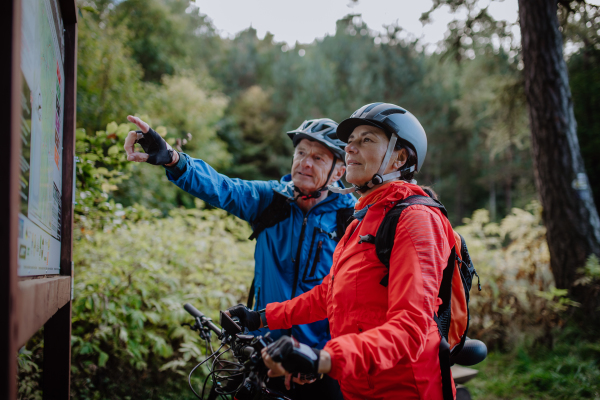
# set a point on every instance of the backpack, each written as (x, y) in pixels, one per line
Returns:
(453, 314)
(279, 210)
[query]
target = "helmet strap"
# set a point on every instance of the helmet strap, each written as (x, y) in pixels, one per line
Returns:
(379, 178)
(387, 157)
(317, 193)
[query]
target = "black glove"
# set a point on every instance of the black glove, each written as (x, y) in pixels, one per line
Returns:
(294, 356)
(248, 318)
(159, 152)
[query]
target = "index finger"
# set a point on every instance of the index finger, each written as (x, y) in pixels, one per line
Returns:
(141, 124)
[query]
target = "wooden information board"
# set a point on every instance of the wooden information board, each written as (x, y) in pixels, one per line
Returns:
(37, 106)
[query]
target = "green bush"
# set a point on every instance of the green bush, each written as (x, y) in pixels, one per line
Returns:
(130, 286)
(569, 371)
(519, 301)
(519, 304)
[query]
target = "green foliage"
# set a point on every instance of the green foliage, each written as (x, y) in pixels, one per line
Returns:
(108, 79)
(131, 284)
(472, 110)
(591, 270)
(255, 137)
(570, 371)
(183, 104)
(30, 376)
(518, 299)
(110, 87)
(101, 167)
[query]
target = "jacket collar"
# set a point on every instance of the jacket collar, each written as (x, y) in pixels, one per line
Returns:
(395, 192)
(286, 189)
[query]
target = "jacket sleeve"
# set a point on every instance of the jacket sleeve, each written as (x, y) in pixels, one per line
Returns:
(309, 307)
(244, 199)
(417, 261)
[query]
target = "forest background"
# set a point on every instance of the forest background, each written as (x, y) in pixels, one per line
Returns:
(144, 247)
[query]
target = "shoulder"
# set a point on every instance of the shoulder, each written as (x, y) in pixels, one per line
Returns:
(420, 221)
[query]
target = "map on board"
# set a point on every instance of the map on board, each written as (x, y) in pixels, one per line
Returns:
(42, 58)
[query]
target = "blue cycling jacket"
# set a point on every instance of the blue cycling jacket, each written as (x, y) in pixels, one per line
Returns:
(276, 267)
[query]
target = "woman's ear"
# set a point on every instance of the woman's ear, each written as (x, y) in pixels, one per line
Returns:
(401, 158)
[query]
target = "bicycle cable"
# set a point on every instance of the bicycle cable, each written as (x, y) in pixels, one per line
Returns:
(193, 369)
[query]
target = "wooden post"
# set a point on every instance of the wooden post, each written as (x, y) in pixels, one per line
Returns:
(57, 331)
(27, 304)
(10, 112)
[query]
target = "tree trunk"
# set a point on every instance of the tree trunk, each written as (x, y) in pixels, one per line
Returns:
(570, 216)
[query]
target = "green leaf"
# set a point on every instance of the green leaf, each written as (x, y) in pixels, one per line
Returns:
(91, 157)
(114, 150)
(112, 127)
(123, 130)
(102, 359)
(90, 9)
(161, 130)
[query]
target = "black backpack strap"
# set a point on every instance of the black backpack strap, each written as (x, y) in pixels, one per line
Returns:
(443, 314)
(279, 210)
(250, 302)
(443, 319)
(444, 357)
(343, 218)
(386, 233)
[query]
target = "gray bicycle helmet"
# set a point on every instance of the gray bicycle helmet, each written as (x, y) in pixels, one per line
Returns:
(321, 130)
(397, 123)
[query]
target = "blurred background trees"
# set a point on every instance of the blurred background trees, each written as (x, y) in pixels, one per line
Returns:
(230, 101)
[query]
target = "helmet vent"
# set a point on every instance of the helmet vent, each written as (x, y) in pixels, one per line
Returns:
(369, 108)
(393, 111)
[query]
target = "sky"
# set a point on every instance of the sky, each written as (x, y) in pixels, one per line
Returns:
(307, 20)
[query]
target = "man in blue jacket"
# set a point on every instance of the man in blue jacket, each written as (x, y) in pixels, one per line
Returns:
(296, 222)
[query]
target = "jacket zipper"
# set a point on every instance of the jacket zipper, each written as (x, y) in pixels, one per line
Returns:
(317, 259)
(312, 244)
(297, 261)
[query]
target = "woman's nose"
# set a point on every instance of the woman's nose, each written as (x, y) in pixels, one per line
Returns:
(350, 148)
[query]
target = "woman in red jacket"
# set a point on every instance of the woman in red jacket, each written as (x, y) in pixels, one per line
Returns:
(384, 340)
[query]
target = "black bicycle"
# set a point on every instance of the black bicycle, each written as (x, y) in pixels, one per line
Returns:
(244, 375)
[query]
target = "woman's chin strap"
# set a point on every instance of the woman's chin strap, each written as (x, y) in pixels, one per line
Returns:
(378, 178)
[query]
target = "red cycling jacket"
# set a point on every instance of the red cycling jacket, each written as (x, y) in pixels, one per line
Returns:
(384, 340)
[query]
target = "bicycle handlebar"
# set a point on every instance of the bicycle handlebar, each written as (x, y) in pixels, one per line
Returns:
(193, 310)
(205, 321)
(244, 377)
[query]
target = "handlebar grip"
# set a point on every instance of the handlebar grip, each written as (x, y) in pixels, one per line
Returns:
(204, 320)
(248, 351)
(192, 310)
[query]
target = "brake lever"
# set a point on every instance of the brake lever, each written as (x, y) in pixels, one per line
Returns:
(190, 325)
(203, 331)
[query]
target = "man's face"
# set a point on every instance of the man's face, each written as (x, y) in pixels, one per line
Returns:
(311, 165)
